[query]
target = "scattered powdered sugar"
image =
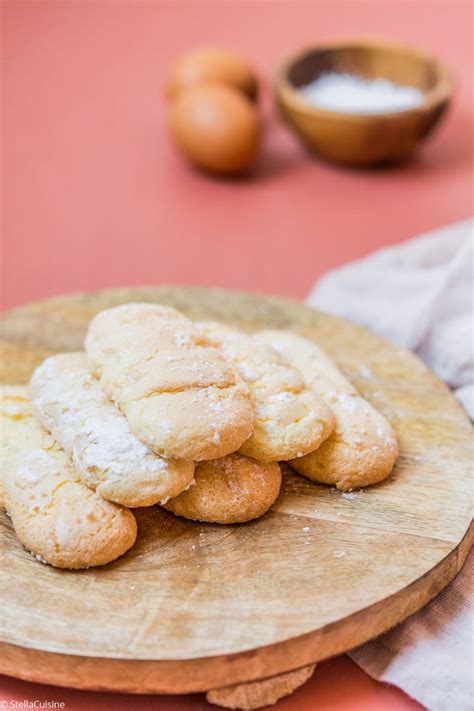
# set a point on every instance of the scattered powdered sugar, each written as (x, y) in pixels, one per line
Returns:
(216, 437)
(306, 529)
(70, 403)
(27, 475)
(366, 373)
(339, 554)
(284, 396)
(63, 532)
(214, 405)
(36, 465)
(383, 435)
(39, 558)
(183, 339)
(247, 372)
(349, 495)
(348, 402)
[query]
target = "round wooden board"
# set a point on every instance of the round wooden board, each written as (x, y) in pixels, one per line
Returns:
(192, 606)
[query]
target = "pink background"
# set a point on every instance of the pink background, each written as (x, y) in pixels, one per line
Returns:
(94, 195)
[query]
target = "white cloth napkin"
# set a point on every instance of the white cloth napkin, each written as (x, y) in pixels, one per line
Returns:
(420, 295)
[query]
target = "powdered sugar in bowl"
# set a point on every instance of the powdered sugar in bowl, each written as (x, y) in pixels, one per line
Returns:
(362, 102)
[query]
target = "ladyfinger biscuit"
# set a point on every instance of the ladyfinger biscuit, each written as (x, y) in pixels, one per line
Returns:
(290, 418)
(180, 396)
(233, 489)
(14, 405)
(70, 404)
(363, 447)
(56, 517)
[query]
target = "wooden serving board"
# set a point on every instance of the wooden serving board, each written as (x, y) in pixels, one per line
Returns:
(194, 606)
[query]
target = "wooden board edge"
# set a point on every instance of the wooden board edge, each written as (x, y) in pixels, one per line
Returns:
(200, 675)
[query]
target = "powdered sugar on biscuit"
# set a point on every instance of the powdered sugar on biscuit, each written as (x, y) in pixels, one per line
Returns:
(69, 402)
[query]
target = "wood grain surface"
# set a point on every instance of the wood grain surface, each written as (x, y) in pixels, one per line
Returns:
(195, 606)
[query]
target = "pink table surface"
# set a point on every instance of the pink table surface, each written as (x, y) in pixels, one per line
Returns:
(95, 196)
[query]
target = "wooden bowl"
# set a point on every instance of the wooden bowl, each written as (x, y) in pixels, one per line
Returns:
(363, 139)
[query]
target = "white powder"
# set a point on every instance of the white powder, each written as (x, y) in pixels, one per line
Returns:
(38, 557)
(384, 435)
(348, 402)
(183, 339)
(71, 405)
(349, 495)
(36, 465)
(247, 372)
(350, 94)
(366, 373)
(284, 396)
(213, 405)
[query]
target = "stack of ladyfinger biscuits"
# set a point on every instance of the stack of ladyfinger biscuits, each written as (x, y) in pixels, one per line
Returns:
(194, 417)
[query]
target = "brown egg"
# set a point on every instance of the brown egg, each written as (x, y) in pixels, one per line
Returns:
(212, 65)
(216, 127)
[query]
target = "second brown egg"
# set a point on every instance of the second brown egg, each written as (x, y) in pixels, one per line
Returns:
(212, 65)
(216, 127)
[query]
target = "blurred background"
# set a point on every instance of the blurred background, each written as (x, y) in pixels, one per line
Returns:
(95, 195)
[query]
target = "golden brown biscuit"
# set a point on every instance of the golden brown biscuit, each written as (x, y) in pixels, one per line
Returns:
(363, 447)
(70, 404)
(60, 520)
(229, 490)
(180, 396)
(290, 418)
